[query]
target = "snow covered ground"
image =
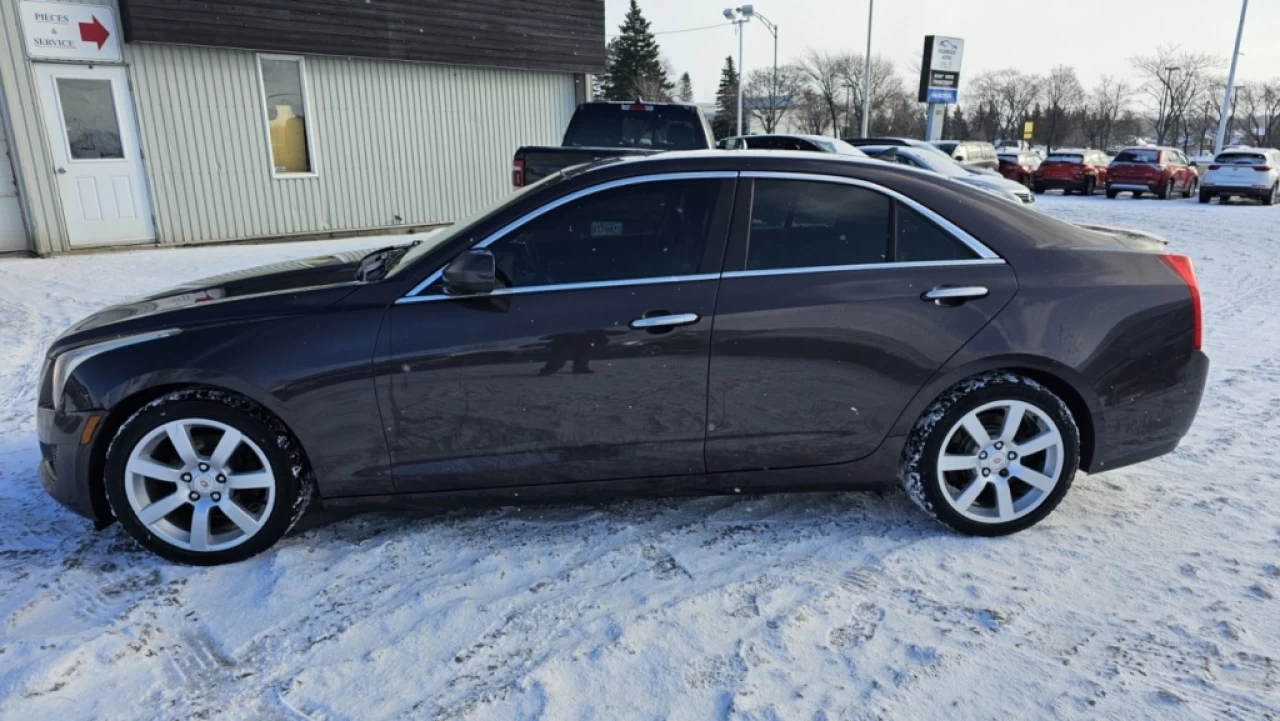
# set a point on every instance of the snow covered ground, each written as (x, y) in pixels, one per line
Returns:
(1152, 592)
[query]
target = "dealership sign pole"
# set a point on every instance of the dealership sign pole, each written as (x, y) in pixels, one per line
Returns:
(940, 79)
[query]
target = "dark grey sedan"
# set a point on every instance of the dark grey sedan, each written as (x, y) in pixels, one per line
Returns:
(682, 323)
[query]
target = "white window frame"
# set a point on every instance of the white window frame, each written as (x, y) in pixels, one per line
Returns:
(308, 117)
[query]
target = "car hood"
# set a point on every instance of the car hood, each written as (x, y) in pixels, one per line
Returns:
(279, 287)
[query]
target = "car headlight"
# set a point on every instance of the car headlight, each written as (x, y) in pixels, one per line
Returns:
(66, 363)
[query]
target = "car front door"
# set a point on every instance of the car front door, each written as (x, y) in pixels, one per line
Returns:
(589, 362)
(826, 324)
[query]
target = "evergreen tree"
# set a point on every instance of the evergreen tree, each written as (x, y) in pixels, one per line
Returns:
(726, 123)
(635, 63)
(959, 125)
(684, 90)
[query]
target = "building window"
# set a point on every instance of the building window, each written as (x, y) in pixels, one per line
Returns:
(284, 93)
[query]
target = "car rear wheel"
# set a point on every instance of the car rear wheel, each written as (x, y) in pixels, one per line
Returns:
(204, 478)
(1166, 192)
(1090, 185)
(1112, 193)
(1205, 197)
(1273, 197)
(994, 455)
(1193, 189)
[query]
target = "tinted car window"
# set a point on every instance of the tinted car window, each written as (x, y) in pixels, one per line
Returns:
(1064, 158)
(803, 224)
(1241, 159)
(635, 126)
(649, 230)
(920, 240)
(1138, 156)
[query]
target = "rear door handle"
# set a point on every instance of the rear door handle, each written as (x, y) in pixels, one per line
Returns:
(659, 322)
(954, 295)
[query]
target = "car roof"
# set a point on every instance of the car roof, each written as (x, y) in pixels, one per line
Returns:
(804, 136)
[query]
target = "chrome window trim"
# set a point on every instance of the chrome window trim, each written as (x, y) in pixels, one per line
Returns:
(534, 214)
(499, 292)
(861, 267)
(971, 242)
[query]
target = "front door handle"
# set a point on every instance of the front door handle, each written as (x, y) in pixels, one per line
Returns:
(955, 295)
(661, 322)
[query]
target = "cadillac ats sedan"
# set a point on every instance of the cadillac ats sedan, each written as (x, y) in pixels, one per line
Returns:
(682, 323)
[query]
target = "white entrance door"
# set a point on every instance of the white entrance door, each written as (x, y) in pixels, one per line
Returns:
(12, 236)
(95, 145)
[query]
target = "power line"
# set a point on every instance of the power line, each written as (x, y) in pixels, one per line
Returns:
(685, 30)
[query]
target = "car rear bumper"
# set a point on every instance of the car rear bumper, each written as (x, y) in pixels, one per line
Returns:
(1060, 184)
(1151, 426)
(1248, 191)
(1133, 187)
(64, 461)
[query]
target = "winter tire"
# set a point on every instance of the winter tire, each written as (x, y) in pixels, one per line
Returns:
(1166, 192)
(1090, 186)
(994, 455)
(1273, 197)
(1205, 198)
(1112, 193)
(1192, 190)
(206, 478)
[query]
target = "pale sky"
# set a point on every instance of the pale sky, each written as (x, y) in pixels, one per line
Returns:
(1096, 36)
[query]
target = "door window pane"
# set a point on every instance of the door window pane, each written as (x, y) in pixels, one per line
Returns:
(89, 111)
(650, 230)
(921, 241)
(803, 224)
(286, 105)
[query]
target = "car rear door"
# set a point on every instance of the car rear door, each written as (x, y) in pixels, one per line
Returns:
(589, 364)
(825, 327)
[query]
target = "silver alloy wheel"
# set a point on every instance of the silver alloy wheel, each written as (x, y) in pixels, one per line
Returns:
(200, 485)
(1000, 461)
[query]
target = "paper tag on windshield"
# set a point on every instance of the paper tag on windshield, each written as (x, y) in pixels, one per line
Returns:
(604, 228)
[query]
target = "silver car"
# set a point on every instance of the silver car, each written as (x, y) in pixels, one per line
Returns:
(942, 165)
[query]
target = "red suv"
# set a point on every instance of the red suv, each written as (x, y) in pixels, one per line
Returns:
(1163, 171)
(1073, 170)
(1019, 167)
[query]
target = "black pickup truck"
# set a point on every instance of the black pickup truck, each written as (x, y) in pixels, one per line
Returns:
(606, 130)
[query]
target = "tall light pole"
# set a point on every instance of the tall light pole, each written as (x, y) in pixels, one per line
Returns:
(773, 30)
(1168, 118)
(746, 12)
(1231, 84)
(866, 74)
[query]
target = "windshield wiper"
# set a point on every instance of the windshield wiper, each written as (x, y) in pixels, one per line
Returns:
(376, 264)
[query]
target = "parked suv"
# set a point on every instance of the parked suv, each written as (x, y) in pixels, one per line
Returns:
(1163, 171)
(1243, 173)
(1020, 167)
(1073, 170)
(970, 153)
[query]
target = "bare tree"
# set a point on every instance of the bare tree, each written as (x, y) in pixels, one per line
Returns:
(1175, 81)
(1010, 93)
(1105, 105)
(1064, 95)
(1256, 113)
(811, 112)
(885, 84)
(826, 73)
(771, 96)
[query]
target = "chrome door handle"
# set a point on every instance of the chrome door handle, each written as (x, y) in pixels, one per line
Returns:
(957, 294)
(664, 321)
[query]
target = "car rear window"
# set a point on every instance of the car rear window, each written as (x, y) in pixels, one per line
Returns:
(1241, 159)
(1138, 156)
(634, 126)
(1064, 158)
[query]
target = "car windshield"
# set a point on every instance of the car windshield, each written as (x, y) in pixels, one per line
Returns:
(447, 234)
(636, 125)
(835, 145)
(938, 163)
(1064, 158)
(1138, 155)
(1241, 159)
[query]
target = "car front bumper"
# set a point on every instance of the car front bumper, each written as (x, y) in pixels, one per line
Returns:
(1152, 426)
(64, 461)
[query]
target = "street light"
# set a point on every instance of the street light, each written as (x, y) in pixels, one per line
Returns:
(866, 74)
(1231, 84)
(1168, 119)
(746, 11)
(773, 30)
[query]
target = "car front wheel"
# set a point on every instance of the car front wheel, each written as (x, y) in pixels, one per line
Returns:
(994, 455)
(206, 478)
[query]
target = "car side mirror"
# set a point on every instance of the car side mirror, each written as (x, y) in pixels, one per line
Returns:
(475, 272)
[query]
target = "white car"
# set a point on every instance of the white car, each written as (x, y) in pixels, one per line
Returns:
(1243, 173)
(945, 166)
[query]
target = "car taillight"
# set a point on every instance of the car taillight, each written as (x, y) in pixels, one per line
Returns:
(1215, 167)
(1181, 265)
(1262, 168)
(517, 174)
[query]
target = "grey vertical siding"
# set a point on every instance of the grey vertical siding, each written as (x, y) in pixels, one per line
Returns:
(396, 143)
(424, 142)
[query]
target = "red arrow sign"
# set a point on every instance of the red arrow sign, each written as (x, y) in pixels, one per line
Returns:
(94, 32)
